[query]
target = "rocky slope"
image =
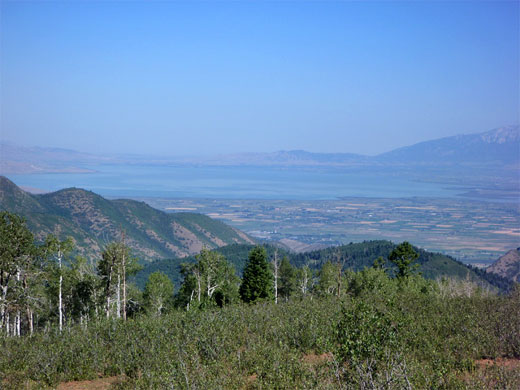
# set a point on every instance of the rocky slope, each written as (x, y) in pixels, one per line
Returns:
(507, 266)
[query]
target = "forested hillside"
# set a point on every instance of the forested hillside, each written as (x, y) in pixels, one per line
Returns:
(355, 256)
(92, 221)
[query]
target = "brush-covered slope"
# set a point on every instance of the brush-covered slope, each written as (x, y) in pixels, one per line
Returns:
(92, 221)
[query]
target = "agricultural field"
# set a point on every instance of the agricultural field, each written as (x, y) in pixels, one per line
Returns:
(475, 232)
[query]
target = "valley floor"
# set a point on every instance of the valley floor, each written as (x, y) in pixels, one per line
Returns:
(474, 232)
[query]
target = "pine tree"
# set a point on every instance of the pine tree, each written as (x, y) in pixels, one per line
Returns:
(403, 256)
(258, 279)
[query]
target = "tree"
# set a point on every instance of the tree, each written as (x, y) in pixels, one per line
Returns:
(257, 280)
(276, 267)
(158, 291)
(17, 252)
(327, 282)
(304, 280)
(83, 281)
(209, 281)
(59, 249)
(287, 279)
(115, 265)
(402, 257)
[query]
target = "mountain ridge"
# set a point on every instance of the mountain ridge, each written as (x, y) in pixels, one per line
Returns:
(93, 221)
(499, 146)
(507, 266)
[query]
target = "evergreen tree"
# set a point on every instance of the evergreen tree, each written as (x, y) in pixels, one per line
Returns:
(258, 279)
(403, 256)
(287, 284)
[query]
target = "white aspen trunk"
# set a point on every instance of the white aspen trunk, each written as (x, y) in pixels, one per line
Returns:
(95, 304)
(191, 299)
(108, 291)
(60, 298)
(7, 324)
(118, 295)
(18, 321)
(124, 289)
(17, 318)
(199, 287)
(123, 266)
(304, 282)
(276, 277)
(30, 320)
(3, 305)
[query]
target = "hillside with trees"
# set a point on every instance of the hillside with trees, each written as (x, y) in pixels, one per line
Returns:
(356, 257)
(92, 221)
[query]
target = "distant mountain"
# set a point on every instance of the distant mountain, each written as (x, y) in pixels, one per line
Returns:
(21, 160)
(288, 158)
(93, 221)
(507, 266)
(495, 147)
(499, 146)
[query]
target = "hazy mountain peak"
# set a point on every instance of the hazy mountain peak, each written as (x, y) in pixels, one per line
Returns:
(502, 135)
(498, 146)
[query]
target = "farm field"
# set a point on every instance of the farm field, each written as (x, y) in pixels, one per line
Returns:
(475, 232)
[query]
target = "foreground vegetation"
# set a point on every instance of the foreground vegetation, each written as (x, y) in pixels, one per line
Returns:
(382, 333)
(277, 327)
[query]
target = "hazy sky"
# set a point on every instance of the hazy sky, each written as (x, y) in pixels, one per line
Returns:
(219, 77)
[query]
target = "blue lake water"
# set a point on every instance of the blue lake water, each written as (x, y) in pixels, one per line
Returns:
(236, 182)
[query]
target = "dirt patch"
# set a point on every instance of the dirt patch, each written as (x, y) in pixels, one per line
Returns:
(96, 384)
(501, 362)
(313, 359)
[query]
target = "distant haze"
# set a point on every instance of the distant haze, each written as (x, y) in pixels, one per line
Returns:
(174, 78)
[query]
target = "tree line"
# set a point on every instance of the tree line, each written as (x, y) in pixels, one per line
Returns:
(44, 287)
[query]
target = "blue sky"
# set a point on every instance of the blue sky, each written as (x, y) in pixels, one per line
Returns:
(218, 77)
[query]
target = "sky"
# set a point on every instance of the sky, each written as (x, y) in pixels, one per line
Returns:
(198, 78)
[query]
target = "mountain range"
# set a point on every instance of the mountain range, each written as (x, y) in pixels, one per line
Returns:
(93, 221)
(498, 147)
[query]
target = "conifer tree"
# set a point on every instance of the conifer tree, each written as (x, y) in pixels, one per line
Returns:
(257, 280)
(403, 256)
(287, 279)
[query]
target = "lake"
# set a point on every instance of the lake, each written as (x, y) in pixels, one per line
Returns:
(237, 182)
